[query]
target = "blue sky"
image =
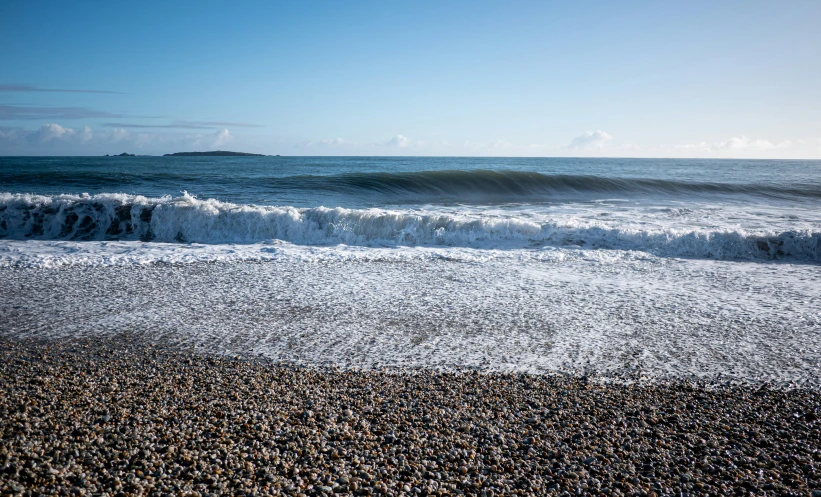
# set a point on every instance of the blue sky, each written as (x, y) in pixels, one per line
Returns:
(645, 79)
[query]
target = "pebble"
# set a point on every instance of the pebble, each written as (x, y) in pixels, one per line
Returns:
(119, 417)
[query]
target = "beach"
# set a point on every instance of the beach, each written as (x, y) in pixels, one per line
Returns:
(122, 416)
(409, 326)
(410, 249)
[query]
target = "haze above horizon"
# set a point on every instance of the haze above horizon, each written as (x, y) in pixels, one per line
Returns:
(731, 79)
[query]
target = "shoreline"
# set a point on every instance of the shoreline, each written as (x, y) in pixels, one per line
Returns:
(120, 416)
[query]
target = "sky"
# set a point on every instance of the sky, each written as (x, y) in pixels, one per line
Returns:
(735, 79)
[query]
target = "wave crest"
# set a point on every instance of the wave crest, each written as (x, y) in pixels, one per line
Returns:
(187, 219)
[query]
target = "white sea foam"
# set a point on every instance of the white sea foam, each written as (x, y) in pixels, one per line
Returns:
(186, 219)
(50, 254)
(572, 310)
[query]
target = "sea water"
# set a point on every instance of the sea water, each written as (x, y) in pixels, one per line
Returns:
(620, 267)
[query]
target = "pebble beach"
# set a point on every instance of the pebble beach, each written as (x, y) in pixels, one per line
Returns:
(410, 249)
(119, 416)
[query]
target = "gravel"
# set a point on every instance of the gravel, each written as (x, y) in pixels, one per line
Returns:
(124, 417)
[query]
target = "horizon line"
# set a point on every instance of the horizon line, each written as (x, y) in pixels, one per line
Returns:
(110, 155)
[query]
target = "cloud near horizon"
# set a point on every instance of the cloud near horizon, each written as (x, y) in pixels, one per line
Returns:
(326, 143)
(222, 137)
(59, 139)
(55, 138)
(493, 148)
(399, 141)
(737, 143)
(51, 131)
(590, 139)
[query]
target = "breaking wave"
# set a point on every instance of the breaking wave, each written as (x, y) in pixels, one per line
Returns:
(186, 219)
(421, 186)
(511, 184)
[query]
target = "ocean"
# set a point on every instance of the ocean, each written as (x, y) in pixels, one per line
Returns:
(623, 268)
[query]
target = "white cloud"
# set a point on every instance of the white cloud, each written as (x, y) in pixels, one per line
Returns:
(86, 134)
(399, 141)
(694, 146)
(118, 134)
(743, 142)
(49, 132)
(9, 134)
(222, 137)
(324, 143)
(54, 138)
(57, 139)
(590, 139)
(493, 146)
(736, 143)
(330, 142)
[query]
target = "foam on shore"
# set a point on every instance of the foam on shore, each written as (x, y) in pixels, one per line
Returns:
(558, 310)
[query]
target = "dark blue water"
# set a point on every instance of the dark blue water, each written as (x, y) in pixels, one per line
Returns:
(373, 181)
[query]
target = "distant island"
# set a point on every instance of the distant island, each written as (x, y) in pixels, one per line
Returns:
(215, 153)
(121, 155)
